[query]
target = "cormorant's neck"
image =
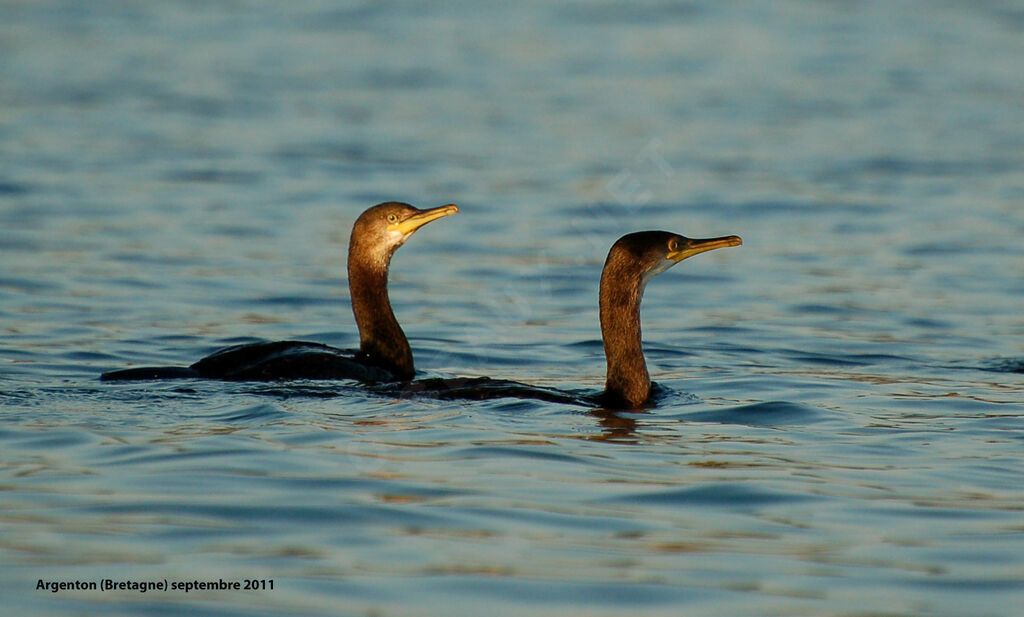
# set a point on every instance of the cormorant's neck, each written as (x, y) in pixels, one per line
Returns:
(628, 384)
(381, 340)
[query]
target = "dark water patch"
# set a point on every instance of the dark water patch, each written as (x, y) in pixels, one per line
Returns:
(348, 485)
(359, 155)
(1009, 17)
(699, 280)
(19, 241)
(163, 259)
(957, 249)
(512, 405)
(666, 396)
(898, 168)
(1007, 365)
(510, 518)
(823, 359)
(936, 168)
(968, 585)
(619, 13)
(287, 301)
(331, 151)
(203, 106)
(13, 189)
(465, 358)
(769, 414)
(16, 397)
(299, 388)
(858, 227)
(52, 439)
(438, 341)
(502, 452)
(261, 412)
(87, 356)
(273, 514)
(118, 454)
(589, 214)
(137, 283)
(924, 511)
(240, 231)
(213, 176)
(172, 340)
(571, 595)
(589, 345)
(841, 360)
(451, 357)
(731, 496)
(183, 461)
(762, 209)
(376, 197)
(416, 78)
(820, 309)
(483, 274)
(881, 358)
(338, 18)
(734, 331)
(483, 358)
(27, 285)
(993, 365)
(929, 323)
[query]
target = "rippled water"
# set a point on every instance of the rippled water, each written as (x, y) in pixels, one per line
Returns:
(843, 424)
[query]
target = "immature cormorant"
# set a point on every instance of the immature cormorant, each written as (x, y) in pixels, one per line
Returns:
(631, 262)
(384, 353)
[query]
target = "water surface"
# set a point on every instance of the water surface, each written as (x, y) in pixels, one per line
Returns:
(843, 419)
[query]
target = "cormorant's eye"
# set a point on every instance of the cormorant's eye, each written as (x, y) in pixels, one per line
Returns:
(673, 245)
(392, 218)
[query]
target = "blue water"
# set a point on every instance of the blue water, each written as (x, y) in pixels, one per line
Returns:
(842, 427)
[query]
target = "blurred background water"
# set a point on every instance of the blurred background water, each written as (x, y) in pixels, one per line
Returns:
(844, 428)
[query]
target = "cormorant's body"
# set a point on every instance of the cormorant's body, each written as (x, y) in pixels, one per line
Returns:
(384, 353)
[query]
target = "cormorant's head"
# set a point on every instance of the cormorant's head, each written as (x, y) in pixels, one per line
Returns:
(652, 252)
(380, 230)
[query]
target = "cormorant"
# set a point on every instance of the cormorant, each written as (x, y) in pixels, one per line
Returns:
(384, 353)
(631, 262)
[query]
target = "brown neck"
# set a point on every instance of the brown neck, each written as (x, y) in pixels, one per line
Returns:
(628, 384)
(381, 340)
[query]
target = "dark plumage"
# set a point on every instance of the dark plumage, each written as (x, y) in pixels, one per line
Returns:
(384, 353)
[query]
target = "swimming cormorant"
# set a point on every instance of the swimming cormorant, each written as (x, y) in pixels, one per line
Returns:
(631, 262)
(384, 353)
